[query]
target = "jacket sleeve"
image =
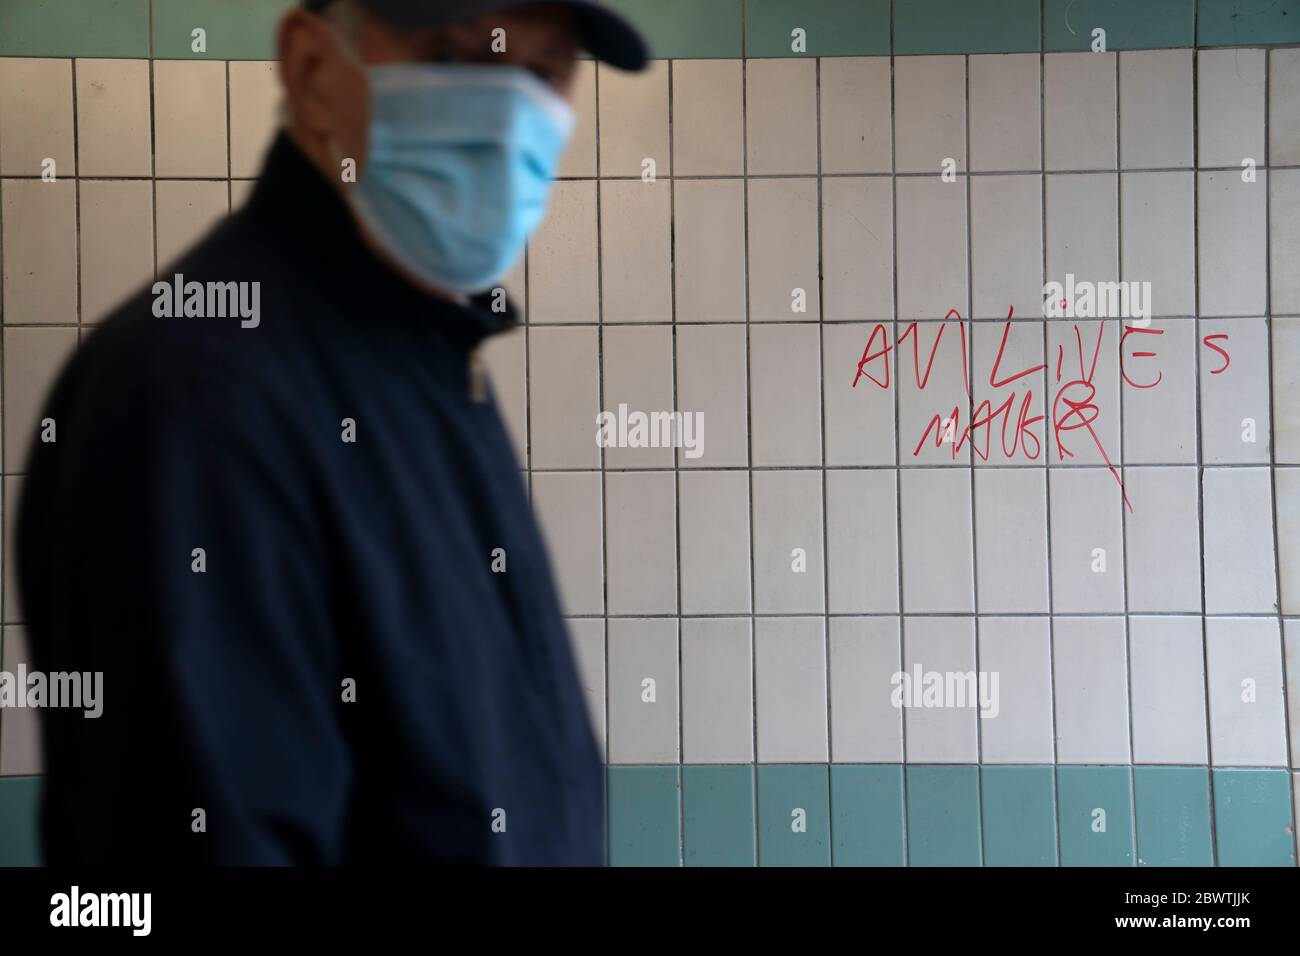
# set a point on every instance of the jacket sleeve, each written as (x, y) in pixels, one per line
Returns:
(169, 544)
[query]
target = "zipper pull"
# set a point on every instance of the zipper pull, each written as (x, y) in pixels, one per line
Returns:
(477, 375)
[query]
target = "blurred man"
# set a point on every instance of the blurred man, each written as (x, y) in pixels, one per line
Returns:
(280, 512)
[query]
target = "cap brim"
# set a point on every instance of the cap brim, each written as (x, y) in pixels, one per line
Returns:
(609, 36)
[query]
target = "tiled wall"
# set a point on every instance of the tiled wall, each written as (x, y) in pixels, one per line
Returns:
(770, 736)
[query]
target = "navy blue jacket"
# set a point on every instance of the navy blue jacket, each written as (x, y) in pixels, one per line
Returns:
(201, 533)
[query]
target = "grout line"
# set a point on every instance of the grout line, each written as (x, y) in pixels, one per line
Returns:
(969, 371)
(825, 526)
(1200, 455)
(1121, 460)
(1048, 447)
(898, 432)
(677, 455)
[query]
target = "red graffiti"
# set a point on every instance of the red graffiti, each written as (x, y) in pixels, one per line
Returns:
(1075, 406)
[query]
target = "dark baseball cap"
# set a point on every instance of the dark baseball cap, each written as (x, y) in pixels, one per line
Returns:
(606, 35)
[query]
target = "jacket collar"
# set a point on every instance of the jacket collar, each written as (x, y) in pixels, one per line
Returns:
(292, 201)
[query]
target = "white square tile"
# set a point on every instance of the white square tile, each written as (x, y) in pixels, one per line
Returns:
(711, 381)
(1284, 106)
(1083, 384)
(947, 734)
(633, 120)
(1234, 403)
(636, 269)
(933, 396)
(855, 122)
(862, 541)
(708, 136)
(1010, 377)
(1082, 227)
(638, 373)
(254, 99)
(1284, 241)
(931, 247)
(1291, 644)
(641, 542)
(1079, 110)
(36, 117)
(1091, 683)
(709, 249)
(564, 393)
(1158, 223)
(1240, 576)
(1247, 720)
(1286, 381)
(1168, 690)
(936, 522)
(1004, 112)
(116, 243)
(1232, 243)
(929, 113)
(1011, 540)
(785, 394)
(858, 247)
(185, 211)
(569, 512)
(1163, 539)
(1160, 421)
(562, 275)
(717, 691)
(1007, 246)
(783, 260)
(189, 101)
(1230, 107)
(39, 220)
(790, 677)
(1019, 651)
(1155, 108)
(33, 358)
(113, 118)
(1087, 545)
(1286, 481)
(579, 159)
(643, 691)
(714, 521)
(859, 409)
(865, 726)
(789, 564)
(780, 116)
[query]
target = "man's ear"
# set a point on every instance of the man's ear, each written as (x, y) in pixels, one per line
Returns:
(308, 54)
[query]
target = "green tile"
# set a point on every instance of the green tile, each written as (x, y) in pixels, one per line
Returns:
(1095, 816)
(1150, 24)
(1019, 805)
(236, 29)
(867, 815)
(1252, 818)
(943, 816)
(1245, 22)
(718, 815)
(793, 815)
(966, 26)
(831, 27)
(687, 29)
(1173, 816)
(20, 802)
(644, 822)
(104, 28)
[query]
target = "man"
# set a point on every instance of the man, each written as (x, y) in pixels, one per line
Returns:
(295, 540)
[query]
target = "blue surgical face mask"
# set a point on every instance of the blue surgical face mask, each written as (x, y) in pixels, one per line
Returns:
(458, 169)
